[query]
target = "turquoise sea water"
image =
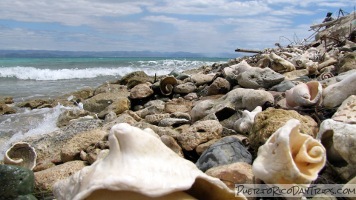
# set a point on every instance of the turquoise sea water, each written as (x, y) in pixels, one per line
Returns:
(25, 78)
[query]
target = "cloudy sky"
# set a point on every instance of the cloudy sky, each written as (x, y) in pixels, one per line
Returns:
(200, 26)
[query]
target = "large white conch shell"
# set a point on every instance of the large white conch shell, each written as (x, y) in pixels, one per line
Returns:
(304, 94)
(289, 157)
(140, 166)
(21, 154)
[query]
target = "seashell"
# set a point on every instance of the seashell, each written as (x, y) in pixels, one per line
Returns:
(289, 157)
(21, 154)
(325, 75)
(140, 166)
(166, 85)
(245, 123)
(339, 139)
(304, 94)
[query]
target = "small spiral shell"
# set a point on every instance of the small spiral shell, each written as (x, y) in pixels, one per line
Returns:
(325, 75)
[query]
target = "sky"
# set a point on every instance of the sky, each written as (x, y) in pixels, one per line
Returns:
(198, 26)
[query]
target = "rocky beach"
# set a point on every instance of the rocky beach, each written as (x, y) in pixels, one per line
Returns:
(286, 115)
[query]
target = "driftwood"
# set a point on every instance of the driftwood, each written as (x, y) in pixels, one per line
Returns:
(247, 51)
(327, 23)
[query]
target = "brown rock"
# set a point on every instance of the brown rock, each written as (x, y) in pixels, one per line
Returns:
(170, 142)
(202, 147)
(5, 109)
(7, 99)
(268, 121)
(135, 78)
(348, 62)
(36, 103)
(100, 101)
(200, 132)
(67, 115)
(185, 88)
(45, 179)
(71, 150)
(178, 105)
(231, 174)
(201, 79)
(118, 106)
(219, 86)
(113, 88)
(141, 91)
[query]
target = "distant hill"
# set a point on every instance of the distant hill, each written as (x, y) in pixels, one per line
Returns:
(47, 54)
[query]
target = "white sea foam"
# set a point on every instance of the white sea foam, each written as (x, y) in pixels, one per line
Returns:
(159, 67)
(30, 123)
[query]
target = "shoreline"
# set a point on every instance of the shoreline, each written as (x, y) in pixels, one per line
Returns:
(245, 101)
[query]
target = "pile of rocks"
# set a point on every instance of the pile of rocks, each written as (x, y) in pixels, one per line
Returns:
(218, 116)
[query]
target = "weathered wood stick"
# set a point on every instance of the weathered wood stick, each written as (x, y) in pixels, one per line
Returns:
(247, 51)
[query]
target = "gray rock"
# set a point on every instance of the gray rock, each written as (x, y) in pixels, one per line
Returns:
(227, 150)
(283, 86)
(172, 122)
(259, 78)
(185, 88)
(16, 183)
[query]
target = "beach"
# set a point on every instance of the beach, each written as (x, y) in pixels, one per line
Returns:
(284, 116)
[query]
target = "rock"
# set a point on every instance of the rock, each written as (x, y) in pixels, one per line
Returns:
(296, 74)
(219, 86)
(227, 150)
(6, 99)
(111, 116)
(135, 78)
(5, 109)
(36, 103)
(347, 111)
(166, 122)
(191, 96)
(200, 132)
(283, 86)
(152, 107)
(16, 183)
(201, 79)
(119, 106)
(227, 105)
(156, 118)
(348, 62)
(46, 178)
(67, 115)
(231, 72)
(339, 140)
(268, 121)
(158, 130)
(185, 88)
(335, 94)
(178, 105)
(259, 78)
(100, 101)
(141, 91)
(231, 174)
(71, 150)
(204, 146)
(170, 142)
(113, 88)
(126, 117)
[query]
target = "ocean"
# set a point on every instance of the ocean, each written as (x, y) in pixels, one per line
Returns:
(31, 78)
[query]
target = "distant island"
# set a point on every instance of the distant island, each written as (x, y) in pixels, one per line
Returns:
(74, 54)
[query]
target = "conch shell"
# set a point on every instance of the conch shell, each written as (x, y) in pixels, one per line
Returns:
(289, 157)
(166, 85)
(140, 166)
(21, 154)
(304, 94)
(245, 123)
